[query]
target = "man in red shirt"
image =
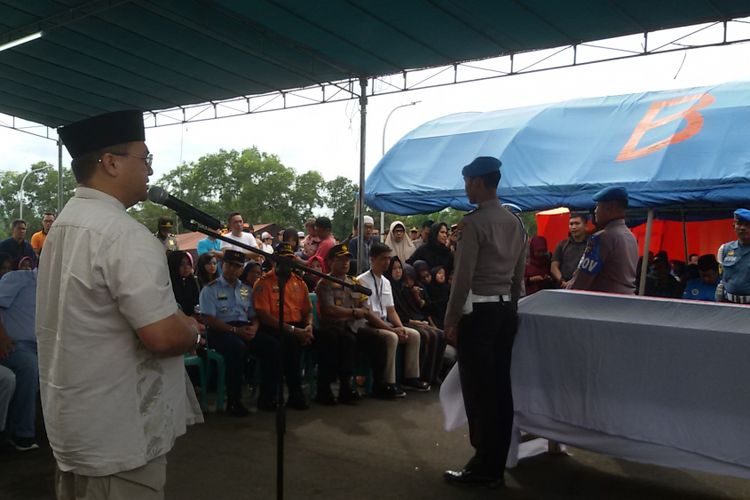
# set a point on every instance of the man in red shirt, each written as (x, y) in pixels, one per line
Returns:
(323, 229)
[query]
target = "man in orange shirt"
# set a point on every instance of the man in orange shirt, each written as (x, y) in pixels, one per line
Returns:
(297, 330)
(37, 240)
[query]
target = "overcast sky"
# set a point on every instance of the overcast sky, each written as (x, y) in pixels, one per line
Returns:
(326, 137)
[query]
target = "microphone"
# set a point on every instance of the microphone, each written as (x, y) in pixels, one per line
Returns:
(184, 210)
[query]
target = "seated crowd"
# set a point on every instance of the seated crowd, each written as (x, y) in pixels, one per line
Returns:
(393, 336)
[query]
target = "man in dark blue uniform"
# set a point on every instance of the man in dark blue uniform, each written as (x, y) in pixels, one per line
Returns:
(227, 308)
(734, 257)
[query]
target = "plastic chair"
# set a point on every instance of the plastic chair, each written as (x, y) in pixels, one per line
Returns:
(193, 360)
(212, 355)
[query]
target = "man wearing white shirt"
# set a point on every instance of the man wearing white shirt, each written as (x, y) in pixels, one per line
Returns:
(387, 324)
(236, 225)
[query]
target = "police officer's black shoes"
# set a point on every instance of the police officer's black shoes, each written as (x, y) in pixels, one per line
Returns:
(237, 409)
(388, 391)
(416, 385)
(468, 476)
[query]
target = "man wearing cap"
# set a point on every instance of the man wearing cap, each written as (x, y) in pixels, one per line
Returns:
(734, 257)
(227, 308)
(414, 234)
(481, 320)
(342, 322)
(110, 336)
(297, 330)
(164, 234)
(611, 255)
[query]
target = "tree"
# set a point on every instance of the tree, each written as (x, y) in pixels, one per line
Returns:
(341, 195)
(40, 195)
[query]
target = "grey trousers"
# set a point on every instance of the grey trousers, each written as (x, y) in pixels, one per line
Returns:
(143, 483)
(7, 388)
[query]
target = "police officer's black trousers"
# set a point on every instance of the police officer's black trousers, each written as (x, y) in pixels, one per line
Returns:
(485, 344)
(337, 350)
(235, 351)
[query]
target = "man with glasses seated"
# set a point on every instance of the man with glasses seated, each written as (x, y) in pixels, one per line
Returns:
(227, 308)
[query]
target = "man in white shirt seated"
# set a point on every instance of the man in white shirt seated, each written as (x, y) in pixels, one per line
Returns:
(386, 322)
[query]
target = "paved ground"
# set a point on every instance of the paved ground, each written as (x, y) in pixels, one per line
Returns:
(378, 450)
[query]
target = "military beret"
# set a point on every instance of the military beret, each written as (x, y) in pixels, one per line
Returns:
(742, 214)
(109, 129)
(481, 165)
(613, 193)
(234, 257)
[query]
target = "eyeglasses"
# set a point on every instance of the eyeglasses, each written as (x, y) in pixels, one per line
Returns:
(148, 159)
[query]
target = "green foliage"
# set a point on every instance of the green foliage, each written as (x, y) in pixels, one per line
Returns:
(40, 195)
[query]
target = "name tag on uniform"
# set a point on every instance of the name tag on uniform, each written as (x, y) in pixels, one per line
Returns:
(222, 296)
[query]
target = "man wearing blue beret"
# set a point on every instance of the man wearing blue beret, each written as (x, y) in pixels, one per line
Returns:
(481, 320)
(734, 257)
(609, 261)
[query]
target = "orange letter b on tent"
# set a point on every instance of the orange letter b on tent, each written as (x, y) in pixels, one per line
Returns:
(691, 115)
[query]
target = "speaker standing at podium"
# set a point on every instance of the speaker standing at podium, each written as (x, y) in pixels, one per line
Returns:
(110, 335)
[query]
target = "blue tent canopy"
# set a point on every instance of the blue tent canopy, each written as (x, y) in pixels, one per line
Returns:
(682, 148)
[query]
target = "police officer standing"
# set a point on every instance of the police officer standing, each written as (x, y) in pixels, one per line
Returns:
(609, 261)
(734, 257)
(481, 320)
(227, 308)
(164, 234)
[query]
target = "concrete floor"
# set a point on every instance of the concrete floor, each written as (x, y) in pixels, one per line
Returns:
(378, 450)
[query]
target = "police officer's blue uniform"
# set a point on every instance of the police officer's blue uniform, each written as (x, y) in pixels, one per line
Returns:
(735, 259)
(234, 305)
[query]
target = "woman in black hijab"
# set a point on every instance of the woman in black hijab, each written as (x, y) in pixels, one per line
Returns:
(184, 283)
(435, 252)
(409, 301)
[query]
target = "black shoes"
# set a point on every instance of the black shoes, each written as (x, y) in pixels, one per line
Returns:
(24, 443)
(388, 391)
(468, 476)
(237, 409)
(416, 385)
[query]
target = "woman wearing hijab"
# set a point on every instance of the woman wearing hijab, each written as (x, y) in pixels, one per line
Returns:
(409, 301)
(537, 274)
(439, 291)
(400, 243)
(184, 283)
(435, 252)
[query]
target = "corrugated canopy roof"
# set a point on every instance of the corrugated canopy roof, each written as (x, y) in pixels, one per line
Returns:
(99, 56)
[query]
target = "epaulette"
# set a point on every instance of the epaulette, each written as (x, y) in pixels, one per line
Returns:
(471, 212)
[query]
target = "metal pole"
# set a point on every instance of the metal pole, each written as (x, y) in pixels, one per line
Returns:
(646, 246)
(59, 177)
(382, 153)
(361, 199)
(684, 236)
(21, 193)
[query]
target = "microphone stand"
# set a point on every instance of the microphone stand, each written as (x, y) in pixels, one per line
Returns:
(284, 268)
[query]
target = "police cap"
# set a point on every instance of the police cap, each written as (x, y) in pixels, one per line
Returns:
(109, 129)
(612, 193)
(338, 251)
(283, 249)
(742, 215)
(234, 257)
(481, 165)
